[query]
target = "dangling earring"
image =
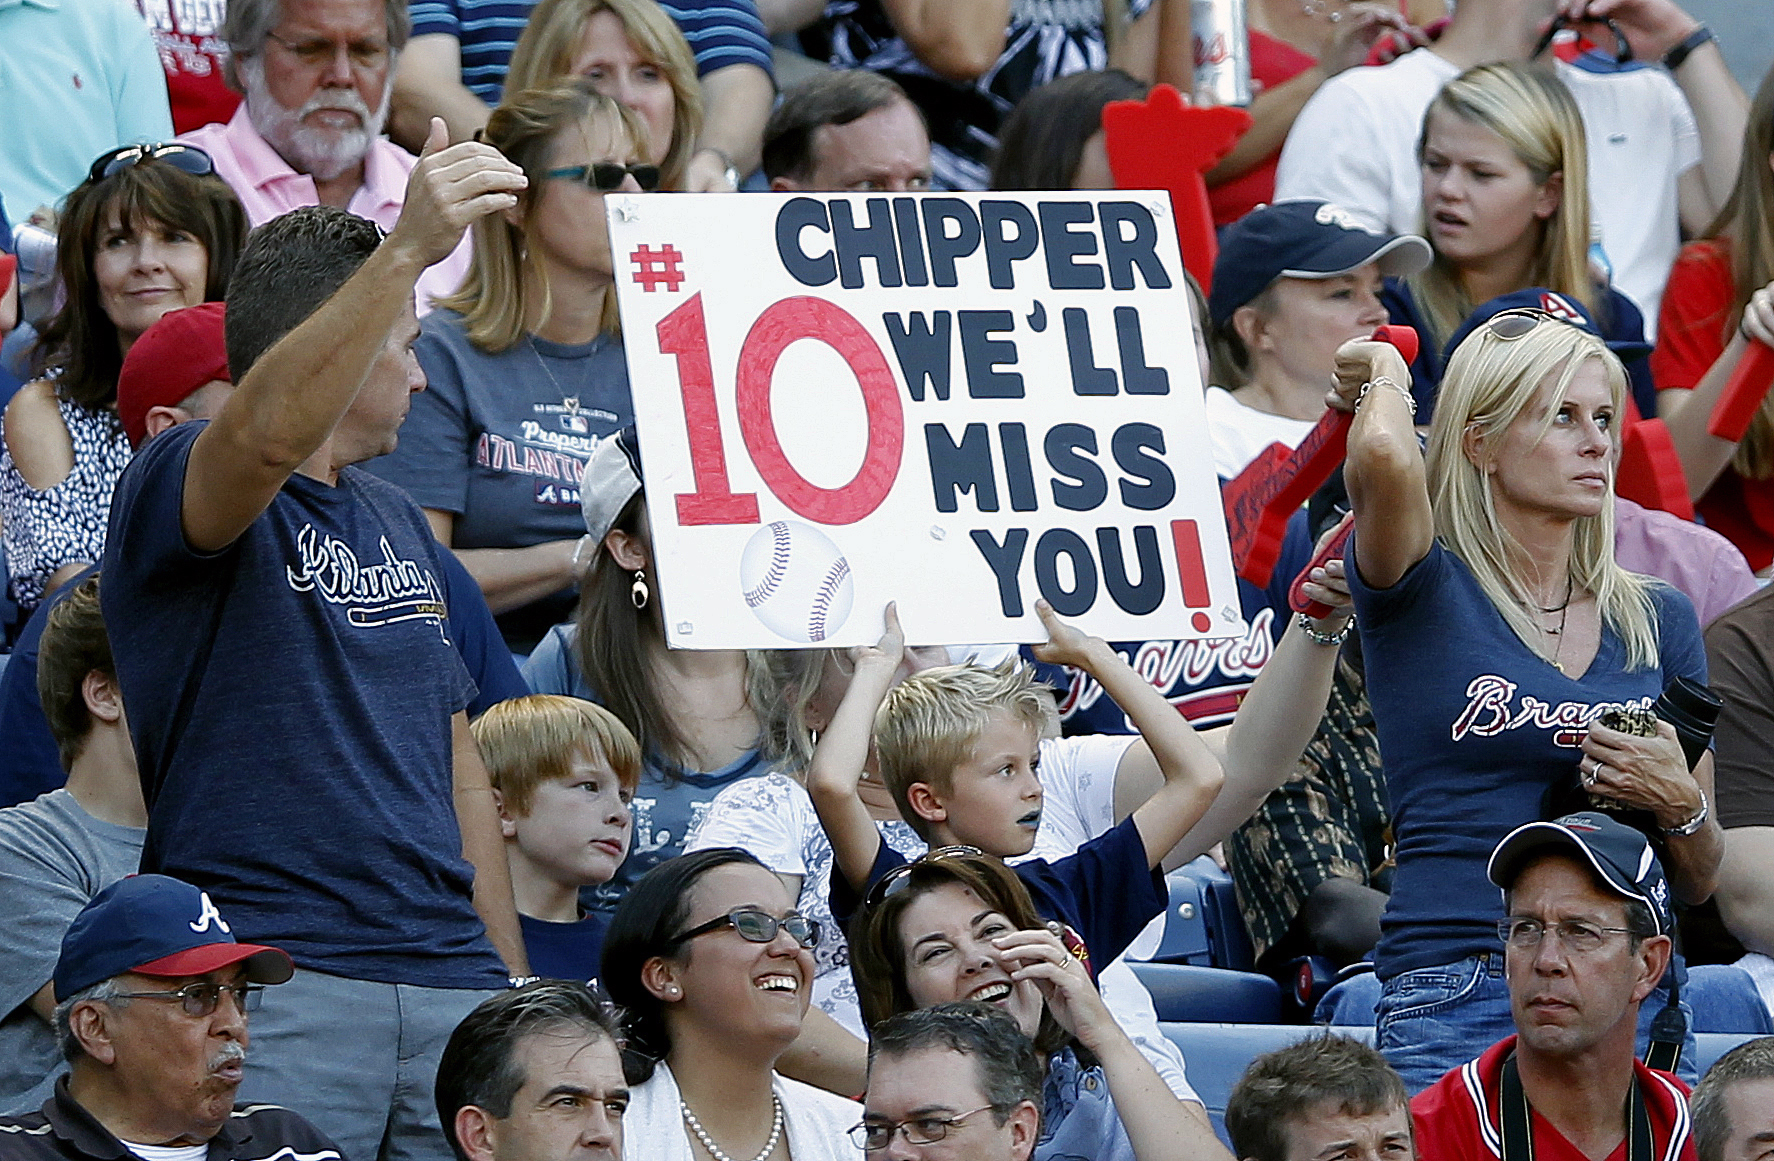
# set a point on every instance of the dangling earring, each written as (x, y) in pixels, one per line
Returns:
(639, 593)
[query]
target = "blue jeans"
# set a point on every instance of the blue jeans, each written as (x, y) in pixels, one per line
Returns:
(1437, 1018)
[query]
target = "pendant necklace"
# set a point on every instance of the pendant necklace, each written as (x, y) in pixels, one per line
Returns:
(1563, 609)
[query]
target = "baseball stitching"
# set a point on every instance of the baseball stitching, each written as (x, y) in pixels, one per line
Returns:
(822, 600)
(779, 543)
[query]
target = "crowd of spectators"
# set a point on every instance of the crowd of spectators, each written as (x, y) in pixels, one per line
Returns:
(353, 805)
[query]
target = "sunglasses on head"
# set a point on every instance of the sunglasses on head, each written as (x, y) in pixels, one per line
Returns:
(607, 176)
(1510, 325)
(758, 926)
(1622, 50)
(896, 880)
(185, 158)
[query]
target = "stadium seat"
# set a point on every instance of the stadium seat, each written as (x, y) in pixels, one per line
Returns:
(1203, 925)
(1187, 992)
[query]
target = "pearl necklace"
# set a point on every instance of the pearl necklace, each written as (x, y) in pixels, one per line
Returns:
(715, 1150)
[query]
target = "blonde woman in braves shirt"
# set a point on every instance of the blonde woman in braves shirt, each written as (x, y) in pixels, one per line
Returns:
(1496, 627)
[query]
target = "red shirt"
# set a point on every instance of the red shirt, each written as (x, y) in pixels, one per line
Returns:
(191, 55)
(1691, 332)
(1457, 1117)
(1272, 62)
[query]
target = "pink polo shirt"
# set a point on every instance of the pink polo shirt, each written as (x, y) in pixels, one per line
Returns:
(267, 187)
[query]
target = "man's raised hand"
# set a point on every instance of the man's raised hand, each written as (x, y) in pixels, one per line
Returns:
(449, 188)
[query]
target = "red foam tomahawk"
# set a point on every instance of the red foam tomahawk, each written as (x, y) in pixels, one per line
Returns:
(1164, 143)
(1743, 393)
(1269, 491)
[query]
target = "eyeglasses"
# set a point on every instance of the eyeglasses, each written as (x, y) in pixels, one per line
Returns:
(200, 999)
(895, 881)
(1622, 48)
(367, 55)
(185, 158)
(758, 926)
(1576, 936)
(606, 176)
(874, 1136)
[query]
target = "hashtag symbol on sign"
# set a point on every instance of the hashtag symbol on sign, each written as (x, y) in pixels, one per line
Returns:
(652, 267)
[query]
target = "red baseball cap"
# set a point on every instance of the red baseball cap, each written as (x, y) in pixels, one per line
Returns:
(172, 358)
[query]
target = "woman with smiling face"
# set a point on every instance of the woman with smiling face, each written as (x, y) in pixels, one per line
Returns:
(525, 363)
(632, 52)
(151, 230)
(714, 968)
(1505, 170)
(959, 925)
(1497, 631)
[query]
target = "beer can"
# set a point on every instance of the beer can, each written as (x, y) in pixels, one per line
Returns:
(1222, 50)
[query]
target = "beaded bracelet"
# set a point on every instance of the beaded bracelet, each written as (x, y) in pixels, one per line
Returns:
(1313, 634)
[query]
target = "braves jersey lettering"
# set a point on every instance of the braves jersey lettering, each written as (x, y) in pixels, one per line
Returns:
(1492, 708)
(1204, 680)
(375, 594)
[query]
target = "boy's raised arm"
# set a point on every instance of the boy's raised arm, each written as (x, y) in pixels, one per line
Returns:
(1192, 775)
(843, 751)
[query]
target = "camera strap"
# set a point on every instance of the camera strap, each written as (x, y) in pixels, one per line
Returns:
(1518, 1126)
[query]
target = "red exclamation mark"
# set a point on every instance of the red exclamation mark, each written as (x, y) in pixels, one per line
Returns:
(1193, 571)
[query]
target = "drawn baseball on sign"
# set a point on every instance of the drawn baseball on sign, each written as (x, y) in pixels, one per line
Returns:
(796, 580)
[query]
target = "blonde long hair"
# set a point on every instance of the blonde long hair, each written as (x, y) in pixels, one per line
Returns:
(502, 282)
(544, 56)
(1488, 384)
(1535, 115)
(1746, 224)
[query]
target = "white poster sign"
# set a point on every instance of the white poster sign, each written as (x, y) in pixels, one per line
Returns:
(960, 402)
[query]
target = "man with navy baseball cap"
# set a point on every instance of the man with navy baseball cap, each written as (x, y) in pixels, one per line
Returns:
(152, 993)
(1586, 939)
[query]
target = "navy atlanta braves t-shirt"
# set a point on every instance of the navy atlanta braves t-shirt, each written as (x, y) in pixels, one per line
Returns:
(1474, 726)
(290, 701)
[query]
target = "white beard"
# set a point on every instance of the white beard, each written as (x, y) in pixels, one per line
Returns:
(322, 153)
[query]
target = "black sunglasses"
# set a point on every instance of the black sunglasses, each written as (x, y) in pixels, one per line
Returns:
(185, 158)
(758, 926)
(1622, 49)
(895, 881)
(606, 176)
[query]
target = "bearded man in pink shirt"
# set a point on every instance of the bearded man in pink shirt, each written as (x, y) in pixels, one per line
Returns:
(316, 75)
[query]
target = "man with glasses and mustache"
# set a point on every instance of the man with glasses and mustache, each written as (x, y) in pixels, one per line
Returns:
(317, 75)
(1586, 937)
(152, 994)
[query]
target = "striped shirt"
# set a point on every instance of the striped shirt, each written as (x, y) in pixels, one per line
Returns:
(720, 32)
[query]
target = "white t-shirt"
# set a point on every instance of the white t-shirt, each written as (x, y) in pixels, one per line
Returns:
(1078, 804)
(1355, 144)
(816, 1123)
(1240, 433)
(166, 1152)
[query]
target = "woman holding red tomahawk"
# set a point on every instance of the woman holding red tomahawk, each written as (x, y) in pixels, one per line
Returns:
(1720, 298)
(1496, 629)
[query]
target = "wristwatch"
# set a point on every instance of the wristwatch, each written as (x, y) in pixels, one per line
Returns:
(1693, 824)
(1672, 60)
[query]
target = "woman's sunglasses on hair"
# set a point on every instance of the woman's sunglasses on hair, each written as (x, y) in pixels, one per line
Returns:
(895, 881)
(758, 927)
(607, 176)
(1509, 325)
(185, 158)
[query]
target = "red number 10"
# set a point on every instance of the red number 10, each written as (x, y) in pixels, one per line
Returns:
(684, 334)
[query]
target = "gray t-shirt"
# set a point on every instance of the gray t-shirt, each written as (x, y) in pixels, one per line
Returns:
(54, 857)
(501, 440)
